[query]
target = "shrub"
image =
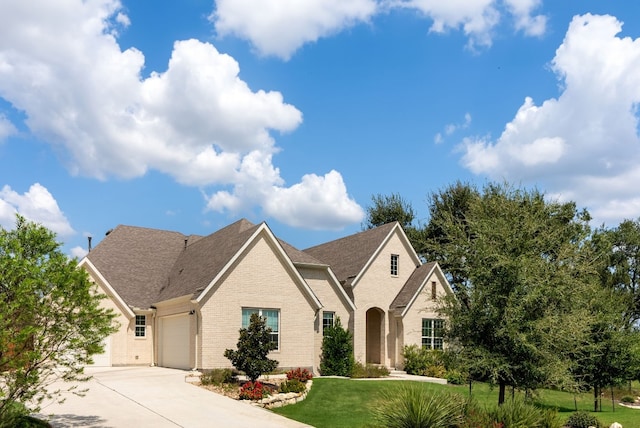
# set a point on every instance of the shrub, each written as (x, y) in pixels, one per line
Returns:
(217, 377)
(337, 351)
(302, 375)
(414, 406)
(424, 362)
(253, 346)
(293, 385)
(517, 413)
(582, 419)
(628, 399)
(436, 371)
(454, 377)
(253, 391)
(360, 371)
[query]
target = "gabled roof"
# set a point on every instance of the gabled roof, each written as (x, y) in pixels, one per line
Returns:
(349, 256)
(136, 261)
(203, 260)
(415, 284)
(146, 266)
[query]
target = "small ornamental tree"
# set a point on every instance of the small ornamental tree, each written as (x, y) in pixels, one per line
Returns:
(51, 320)
(337, 351)
(253, 346)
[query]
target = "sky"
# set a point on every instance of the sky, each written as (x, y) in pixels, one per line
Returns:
(189, 115)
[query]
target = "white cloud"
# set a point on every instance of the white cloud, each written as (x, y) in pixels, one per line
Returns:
(280, 27)
(37, 205)
(78, 252)
(6, 128)
(478, 18)
(451, 128)
(315, 203)
(197, 121)
(584, 145)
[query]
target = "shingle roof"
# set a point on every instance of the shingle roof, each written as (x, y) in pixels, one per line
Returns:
(298, 256)
(199, 263)
(412, 286)
(347, 256)
(136, 261)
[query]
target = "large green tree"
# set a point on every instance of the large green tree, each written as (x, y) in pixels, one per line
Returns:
(51, 321)
(521, 271)
(620, 267)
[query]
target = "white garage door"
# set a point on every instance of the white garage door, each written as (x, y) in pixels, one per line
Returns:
(174, 345)
(103, 359)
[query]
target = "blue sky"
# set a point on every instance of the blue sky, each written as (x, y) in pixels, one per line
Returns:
(190, 115)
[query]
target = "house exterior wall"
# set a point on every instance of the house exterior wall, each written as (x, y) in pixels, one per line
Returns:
(423, 307)
(320, 282)
(258, 279)
(376, 289)
(125, 348)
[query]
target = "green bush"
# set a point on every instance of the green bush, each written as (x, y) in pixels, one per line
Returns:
(217, 377)
(628, 399)
(517, 413)
(414, 406)
(292, 385)
(582, 419)
(454, 377)
(424, 362)
(337, 351)
(361, 371)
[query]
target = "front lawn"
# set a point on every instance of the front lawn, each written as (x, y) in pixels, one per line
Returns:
(346, 403)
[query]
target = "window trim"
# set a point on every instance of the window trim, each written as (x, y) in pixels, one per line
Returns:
(395, 263)
(140, 328)
(259, 311)
(434, 293)
(331, 324)
(429, 338)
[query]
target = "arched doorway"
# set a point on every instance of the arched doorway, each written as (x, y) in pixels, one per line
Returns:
(375, 335)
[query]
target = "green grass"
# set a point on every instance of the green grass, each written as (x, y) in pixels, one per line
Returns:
(347, 403)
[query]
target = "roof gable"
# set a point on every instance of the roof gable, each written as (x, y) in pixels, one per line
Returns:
(415, 284)
(350, 256)
(255, 233)
(203, 260)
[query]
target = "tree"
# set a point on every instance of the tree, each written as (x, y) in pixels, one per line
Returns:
(253, 346)
(447, 236)
(51, 321)
(620, 270)
(522, 271)
(389, 208)
(337, 351)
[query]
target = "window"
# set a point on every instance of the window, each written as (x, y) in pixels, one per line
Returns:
(433, 290)
(327, 320)
(394, 264)
(141, 325)
(273, 321)
(432, 333)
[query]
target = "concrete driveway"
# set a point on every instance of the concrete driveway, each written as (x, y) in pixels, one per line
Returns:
(153, 397)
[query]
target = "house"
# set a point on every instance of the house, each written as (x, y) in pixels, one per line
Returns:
(180, 300)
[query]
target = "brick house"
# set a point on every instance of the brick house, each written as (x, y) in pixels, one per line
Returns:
(181, 299)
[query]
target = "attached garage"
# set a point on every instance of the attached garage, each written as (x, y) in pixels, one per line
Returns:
(103, 359)
(174, 349)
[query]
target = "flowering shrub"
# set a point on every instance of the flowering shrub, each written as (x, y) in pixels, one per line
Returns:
(253, 391)
(299, 374)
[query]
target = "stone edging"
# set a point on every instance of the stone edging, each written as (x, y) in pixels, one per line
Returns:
(283, 399)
